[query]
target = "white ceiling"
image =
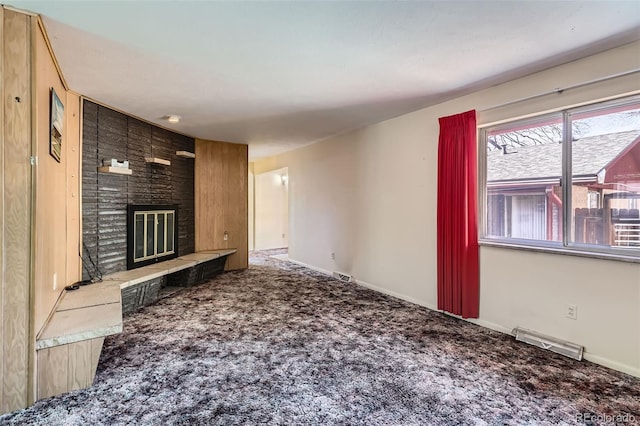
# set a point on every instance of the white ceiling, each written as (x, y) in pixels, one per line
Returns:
(278, 75)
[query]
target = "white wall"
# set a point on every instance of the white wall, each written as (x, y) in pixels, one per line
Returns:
(271, 210)
(370, 197)
(250, 207)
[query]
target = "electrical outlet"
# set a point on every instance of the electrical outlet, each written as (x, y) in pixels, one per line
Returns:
(333, 256)
(572, 312)
(226, 236)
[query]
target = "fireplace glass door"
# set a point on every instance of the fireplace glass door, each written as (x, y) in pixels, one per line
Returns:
(153, 234)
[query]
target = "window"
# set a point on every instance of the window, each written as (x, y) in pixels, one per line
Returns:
(594, 149)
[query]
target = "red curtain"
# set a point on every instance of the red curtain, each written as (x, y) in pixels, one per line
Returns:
(458, 270)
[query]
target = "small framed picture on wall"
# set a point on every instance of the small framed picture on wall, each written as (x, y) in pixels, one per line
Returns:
(57, 126)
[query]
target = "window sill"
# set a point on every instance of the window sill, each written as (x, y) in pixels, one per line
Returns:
(569, 251)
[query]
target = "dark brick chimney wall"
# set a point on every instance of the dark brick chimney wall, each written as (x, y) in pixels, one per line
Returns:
(108, 134)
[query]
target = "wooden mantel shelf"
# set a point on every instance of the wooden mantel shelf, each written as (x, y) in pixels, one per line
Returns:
(185, 154)
(116, 170)
(156, 160)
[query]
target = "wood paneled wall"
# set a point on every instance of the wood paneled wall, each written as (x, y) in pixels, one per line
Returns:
(221, 199)
(68, 367)
(15, 220)
(40, 204)
(73, 154)
(57, 204)
(110, 134)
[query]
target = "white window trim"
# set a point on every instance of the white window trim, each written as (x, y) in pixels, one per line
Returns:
(566, 247)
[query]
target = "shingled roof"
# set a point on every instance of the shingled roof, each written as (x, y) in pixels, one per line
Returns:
(539, 162)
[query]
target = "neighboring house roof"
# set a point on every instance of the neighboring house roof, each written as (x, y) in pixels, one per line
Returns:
(543, 162)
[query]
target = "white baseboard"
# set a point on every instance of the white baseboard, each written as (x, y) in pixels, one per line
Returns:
(478, 321)
(314, 268)
(611, 364)
(394, 294)
(501, 329)
(489, 325)
(283, 256)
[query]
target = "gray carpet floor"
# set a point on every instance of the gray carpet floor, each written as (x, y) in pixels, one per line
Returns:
(281, 344)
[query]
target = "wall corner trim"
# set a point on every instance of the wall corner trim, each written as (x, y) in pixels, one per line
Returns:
(51, 52)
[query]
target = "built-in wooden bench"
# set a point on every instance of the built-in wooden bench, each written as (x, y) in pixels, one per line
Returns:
(141, 286)
(68, 347)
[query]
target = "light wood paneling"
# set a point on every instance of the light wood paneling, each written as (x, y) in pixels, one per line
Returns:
(72, 111)
(44, 234)
(53, 209)
(80, 357)
(236, 219)
(96, 349)
(68, 367)
(53, 371)
(16, 209)
(221, 199)
(2, 97)
(210, 181)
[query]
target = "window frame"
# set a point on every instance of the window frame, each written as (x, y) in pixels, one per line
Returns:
(566, 246)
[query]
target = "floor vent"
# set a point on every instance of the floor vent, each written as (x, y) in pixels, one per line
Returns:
(550, 343)
(342, 277)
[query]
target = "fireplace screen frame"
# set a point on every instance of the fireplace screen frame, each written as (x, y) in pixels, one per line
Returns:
(155, 212)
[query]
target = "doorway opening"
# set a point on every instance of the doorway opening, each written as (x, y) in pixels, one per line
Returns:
(272, 210)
